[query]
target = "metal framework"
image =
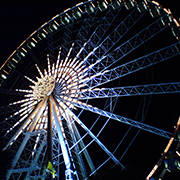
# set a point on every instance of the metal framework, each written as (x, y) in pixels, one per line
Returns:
(89, 49)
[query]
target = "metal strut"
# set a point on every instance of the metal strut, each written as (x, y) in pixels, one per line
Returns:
(69, 172)
(138, 90)
(122, 119)
(49, 133)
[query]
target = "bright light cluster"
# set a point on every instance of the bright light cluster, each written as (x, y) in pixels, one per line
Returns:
(43, 87)
(62, 81)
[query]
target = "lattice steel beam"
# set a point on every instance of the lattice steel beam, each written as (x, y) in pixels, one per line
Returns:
(122, 119)
(113, 38)
(148, 89)
(136, 65)
(121, 29)
(111, 155)
(67, 160)
(130, 45)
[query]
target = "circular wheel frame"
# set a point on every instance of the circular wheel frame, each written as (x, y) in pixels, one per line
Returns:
(78, 92)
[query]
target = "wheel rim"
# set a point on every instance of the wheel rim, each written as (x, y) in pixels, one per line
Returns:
(90, 62)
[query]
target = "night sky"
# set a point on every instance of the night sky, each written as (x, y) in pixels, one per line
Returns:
(20, 19)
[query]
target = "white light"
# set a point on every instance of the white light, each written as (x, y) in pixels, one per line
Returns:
(54, 26)
(32, 44)
(3, 76)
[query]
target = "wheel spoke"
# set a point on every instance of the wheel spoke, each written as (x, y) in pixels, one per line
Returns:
(116, 35)
(37, 112)
(124, 120)
(77, 137)
(98, 77)
(138, 90)
(133, 43)
(135, 65)
(58, 109)
(97, 34)
(17, 92)
(94, 137)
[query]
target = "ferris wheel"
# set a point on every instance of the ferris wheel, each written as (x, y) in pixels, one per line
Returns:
(75, 94)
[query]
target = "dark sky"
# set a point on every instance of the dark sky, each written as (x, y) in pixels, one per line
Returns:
(19, 19)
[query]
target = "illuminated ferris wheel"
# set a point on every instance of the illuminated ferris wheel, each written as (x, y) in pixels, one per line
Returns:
(64, 87)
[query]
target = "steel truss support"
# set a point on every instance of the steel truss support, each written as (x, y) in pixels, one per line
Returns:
(82, 145)
(111, 155)
(36, 114)
(18, 154)
(75, 135)
(115, 36)
(33, 166)
(122, 119)
(71, 127)
(148, 89)
(21, 170)
(135, 65)
(130, 45)
(34, 163)
(103, 47)
(32, 120)
(136, 41)
(49, 132)
(103, 24)
(69, 172)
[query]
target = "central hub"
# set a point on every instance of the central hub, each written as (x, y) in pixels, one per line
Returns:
(43, 87)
